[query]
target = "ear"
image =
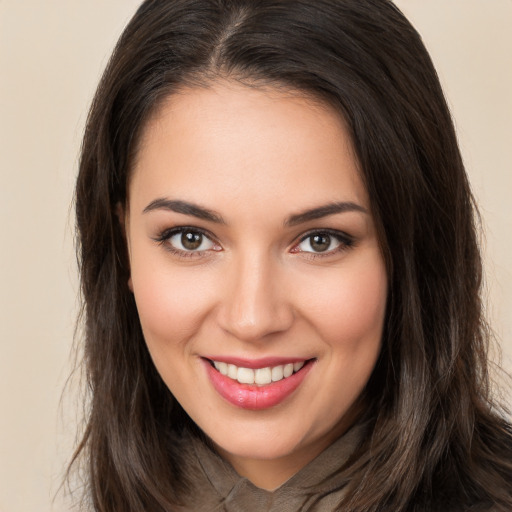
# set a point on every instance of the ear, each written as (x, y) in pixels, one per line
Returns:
(121, 215)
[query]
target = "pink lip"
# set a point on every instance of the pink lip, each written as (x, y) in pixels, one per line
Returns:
(253, 397)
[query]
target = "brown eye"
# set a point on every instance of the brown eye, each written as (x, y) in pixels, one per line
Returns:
(324, 242)
(191, 241)
(320, 242)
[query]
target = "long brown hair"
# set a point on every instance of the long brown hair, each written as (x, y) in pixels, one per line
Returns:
(437, 440)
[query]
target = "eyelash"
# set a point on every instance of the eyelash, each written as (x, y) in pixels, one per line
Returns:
(345, 241)
(167, 234)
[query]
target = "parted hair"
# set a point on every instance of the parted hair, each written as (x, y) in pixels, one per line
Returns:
(437, 440)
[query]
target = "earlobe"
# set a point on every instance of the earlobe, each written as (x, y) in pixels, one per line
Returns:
(130, 284)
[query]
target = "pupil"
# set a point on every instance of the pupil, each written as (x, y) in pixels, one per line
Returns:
(191, 241)
(320, 243)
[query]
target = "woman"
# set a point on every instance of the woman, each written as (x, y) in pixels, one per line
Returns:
(280, 269)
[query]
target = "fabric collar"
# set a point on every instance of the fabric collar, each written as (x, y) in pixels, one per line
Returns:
(322, 476)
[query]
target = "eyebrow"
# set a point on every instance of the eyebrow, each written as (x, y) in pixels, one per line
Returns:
(200, 212)
(324, 211)
(184, 207)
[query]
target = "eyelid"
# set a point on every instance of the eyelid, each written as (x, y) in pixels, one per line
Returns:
(168, 233)
(346, 242)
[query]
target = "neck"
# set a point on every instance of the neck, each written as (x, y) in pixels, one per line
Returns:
(269, 474)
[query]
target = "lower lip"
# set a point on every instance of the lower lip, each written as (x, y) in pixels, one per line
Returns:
(247, 396)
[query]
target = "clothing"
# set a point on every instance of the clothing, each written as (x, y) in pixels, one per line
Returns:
(218, 488)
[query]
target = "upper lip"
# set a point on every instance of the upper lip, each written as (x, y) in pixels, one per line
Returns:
(263, 362)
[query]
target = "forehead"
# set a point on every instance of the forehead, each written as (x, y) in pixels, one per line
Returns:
(229, 138)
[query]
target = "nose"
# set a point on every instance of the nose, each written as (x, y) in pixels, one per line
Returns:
(255, 303)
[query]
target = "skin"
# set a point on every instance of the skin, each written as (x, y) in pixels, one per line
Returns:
(257, 287)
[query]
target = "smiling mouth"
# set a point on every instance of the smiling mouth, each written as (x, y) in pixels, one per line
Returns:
(258, 376)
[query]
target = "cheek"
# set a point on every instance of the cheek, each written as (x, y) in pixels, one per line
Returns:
(349, 309)
(171, 303)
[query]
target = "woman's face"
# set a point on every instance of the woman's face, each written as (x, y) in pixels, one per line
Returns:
(256, 269)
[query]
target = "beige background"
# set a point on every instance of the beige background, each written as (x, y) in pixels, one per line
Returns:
(51, 56)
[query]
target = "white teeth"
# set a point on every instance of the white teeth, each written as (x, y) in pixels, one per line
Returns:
(263, 376)
(260, 376)
(245, 376)
(277, 373)
(288, 370)
(298, 366)
(232, 371)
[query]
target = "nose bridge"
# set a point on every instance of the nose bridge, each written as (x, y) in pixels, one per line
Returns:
(254, 304)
